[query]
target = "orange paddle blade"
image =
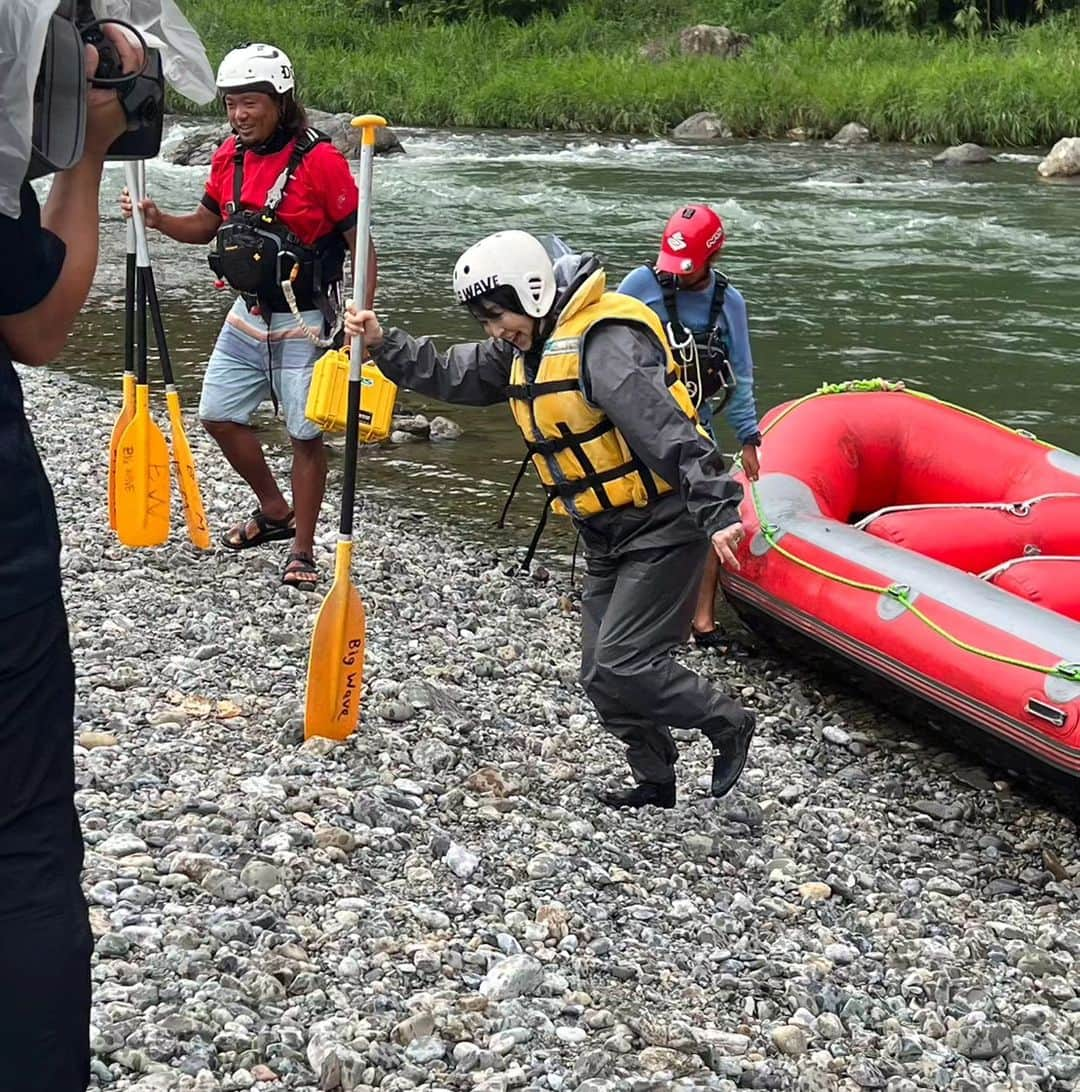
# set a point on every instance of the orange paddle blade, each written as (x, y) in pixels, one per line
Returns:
(184, 465)
(142, 479)
(336, 663)
(123, 419)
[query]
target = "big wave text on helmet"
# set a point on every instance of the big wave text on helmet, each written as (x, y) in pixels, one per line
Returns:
(512, 258)
(478, 288)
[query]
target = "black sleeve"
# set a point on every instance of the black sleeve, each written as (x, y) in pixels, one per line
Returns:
(474, 374)
(347, 224)
(623, 370)
(37, 253)
(210, 203)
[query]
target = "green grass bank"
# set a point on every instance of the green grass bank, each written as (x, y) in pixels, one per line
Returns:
(582, 71)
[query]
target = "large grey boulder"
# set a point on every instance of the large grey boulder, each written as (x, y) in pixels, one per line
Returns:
(960, 155)
(197, 143)
(709, 41)
(852, 133)
(702, 126)
(1063, 160)
(346, 139)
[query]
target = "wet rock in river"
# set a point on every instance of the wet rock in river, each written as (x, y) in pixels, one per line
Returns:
(960, 155)
(1063, 160)
(704, 125)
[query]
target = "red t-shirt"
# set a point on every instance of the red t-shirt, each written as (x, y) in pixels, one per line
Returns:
(321, 197)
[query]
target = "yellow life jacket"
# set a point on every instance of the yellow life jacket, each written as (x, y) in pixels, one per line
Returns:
(582, 459)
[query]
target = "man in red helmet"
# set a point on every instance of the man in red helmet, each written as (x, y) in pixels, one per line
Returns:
(705, 321)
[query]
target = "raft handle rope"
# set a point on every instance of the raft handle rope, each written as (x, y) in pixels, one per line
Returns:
(899, 593)
(1030, 554)
(1021, 509)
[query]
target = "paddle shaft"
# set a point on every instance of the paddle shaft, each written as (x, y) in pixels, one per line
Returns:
(129, 301)
(146, 273)
(143, 258)
(142, 366)
(356, 352)
(159, 329)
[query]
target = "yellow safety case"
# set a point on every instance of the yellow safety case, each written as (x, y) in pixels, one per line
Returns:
(328, 397)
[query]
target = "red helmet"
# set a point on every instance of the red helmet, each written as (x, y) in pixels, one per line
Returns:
(692, 236)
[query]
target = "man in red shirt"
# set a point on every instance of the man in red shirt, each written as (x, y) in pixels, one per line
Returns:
(281, 202)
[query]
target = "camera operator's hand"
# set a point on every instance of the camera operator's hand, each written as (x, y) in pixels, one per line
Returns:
(151, 213)
(105, 120)
(36, 336)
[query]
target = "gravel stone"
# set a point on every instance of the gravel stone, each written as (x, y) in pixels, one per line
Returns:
(440, 902)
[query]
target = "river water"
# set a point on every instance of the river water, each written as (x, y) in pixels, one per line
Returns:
(855, 263)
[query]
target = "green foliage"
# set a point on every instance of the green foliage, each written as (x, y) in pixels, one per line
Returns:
(968, 20)
(582, 71)
(897, 15)
(970, 17)
(456, 11)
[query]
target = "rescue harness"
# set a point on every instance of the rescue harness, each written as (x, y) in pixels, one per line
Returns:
(702, 357)
(269, 265)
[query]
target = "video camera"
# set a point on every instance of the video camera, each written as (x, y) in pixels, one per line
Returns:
(60, 92)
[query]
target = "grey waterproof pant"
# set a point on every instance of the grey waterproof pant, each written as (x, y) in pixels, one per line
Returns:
(636, 608)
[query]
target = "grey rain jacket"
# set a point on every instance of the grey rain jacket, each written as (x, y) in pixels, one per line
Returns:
(622, 372)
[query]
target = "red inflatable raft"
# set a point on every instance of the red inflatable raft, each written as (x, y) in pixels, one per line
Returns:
(931, 546)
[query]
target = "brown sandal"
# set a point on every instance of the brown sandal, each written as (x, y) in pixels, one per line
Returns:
(300, 572)
(269, 530)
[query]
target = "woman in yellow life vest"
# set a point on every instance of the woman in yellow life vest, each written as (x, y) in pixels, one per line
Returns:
(613, 437)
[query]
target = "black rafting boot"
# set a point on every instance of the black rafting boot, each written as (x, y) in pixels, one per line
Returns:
(729, 757)
(660, 794)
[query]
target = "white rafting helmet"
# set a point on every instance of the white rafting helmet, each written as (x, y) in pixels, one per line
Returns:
(512, 258)
(257, 67)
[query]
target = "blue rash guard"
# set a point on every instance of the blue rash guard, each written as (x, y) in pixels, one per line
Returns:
(741, 412)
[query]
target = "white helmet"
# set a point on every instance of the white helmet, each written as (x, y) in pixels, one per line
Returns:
(512, 258)
(258, 67)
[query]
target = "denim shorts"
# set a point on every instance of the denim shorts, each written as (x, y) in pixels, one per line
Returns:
(239, 375)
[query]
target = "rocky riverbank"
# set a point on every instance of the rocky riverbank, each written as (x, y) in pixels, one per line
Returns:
(191, 142)
(439, 903)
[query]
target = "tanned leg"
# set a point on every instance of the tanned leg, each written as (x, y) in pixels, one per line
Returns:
(705, 610)
(242, 448)
(309, 485)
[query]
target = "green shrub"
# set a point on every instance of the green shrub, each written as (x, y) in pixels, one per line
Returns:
(457, 11)
(581, 71)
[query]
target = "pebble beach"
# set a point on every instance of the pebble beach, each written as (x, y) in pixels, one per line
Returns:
(440, 903)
